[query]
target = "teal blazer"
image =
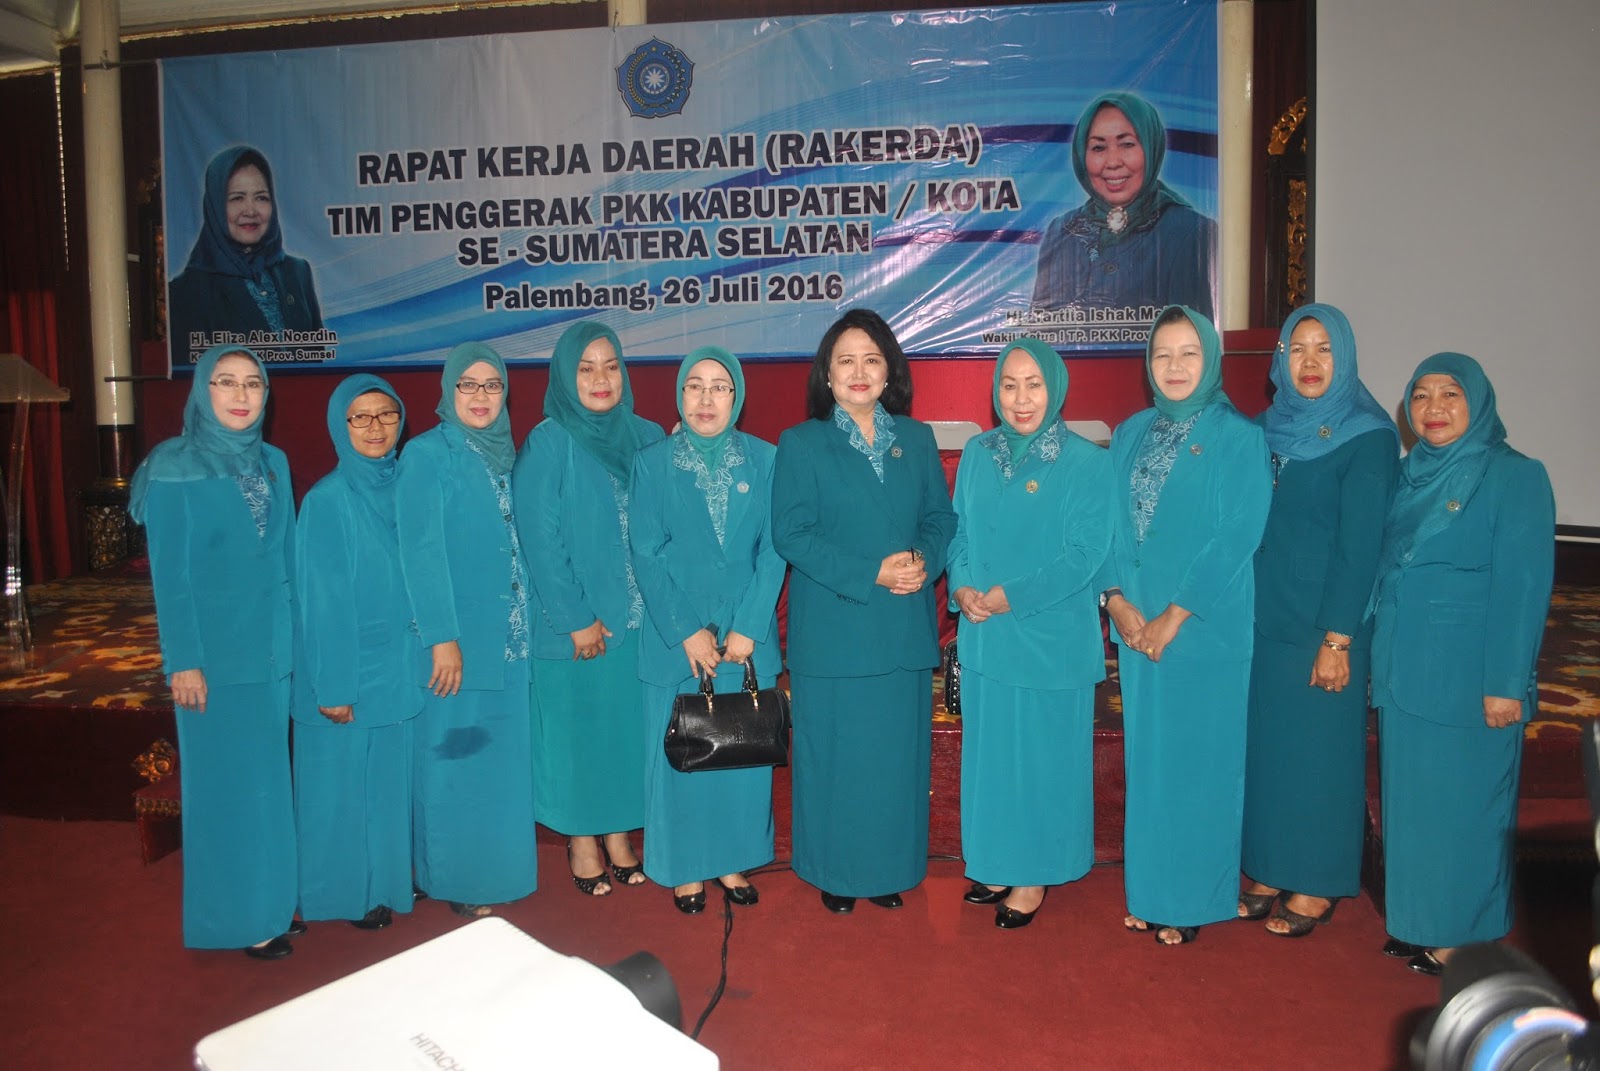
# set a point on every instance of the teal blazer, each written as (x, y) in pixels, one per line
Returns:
(455, 555)
(688, 579)
(357, 645)
(572, 534)
(1319, 555)
(1042, 536)
(835, 523)
(1199, 548)
(1466, 616)
(224, 594)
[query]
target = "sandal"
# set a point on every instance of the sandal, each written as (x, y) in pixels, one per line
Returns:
(1257, 906)
(625, 874)
(1134, 924)
(1185, 934)
(1300, 925)
(471, 911)
(589, 886)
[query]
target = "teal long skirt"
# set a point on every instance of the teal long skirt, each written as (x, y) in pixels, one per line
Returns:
(1184, 742)
(588, 741)
(1449, 826)
(699, 826)
(352, 790)
(472, 796)
(238, 817)
(861, 754)
(1305, 774)
(1027, 782)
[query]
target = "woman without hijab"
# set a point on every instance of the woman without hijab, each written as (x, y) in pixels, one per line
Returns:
(1134, 241)
(1335, 453)
(1463, 588)
(467, 579)
(1191, 489)
(238, 278)
(218, 510)
(861, 509)
(355, 692)
(701, 533)
(1033, 528)
(573, 480)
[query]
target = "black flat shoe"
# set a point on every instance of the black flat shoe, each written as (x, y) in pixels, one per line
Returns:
(376, 919)
(1009, 918)
(1425, 962)
(276, 948)
(296, 928)
(890, 901)
(690, 903)
(839, 905)
(1402, 949)
(743, 895)
(982, 894)
(1186, 934)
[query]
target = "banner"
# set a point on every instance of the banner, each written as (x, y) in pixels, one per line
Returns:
(737, 183)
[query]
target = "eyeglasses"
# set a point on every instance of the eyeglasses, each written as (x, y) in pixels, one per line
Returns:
(251, 386)
(388, 418)
(472, 386)
(719, 389)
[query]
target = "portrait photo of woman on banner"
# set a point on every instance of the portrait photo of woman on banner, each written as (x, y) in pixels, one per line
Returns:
(1135, 242)
(238, 279)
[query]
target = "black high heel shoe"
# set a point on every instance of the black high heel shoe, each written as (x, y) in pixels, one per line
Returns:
(1009, 918)
(1300, 925)
(1257, 906)
(587, 886)
(625, 874)
(742, 895)
(690, 903)
(983, 895)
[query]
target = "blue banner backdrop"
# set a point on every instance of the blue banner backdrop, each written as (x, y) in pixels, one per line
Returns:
(735, 182)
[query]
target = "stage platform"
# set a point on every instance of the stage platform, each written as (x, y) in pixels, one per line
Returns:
(94, 699)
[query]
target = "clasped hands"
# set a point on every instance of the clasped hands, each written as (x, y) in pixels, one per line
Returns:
(903, 572)
(1149, 636)
(978, 606)
(704, 657)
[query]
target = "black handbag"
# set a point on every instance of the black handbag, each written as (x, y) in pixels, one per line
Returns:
(728, 730)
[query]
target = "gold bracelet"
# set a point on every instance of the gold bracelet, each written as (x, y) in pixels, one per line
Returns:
(1335, 645)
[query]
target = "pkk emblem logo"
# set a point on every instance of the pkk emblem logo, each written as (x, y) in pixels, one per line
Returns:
(655, 79)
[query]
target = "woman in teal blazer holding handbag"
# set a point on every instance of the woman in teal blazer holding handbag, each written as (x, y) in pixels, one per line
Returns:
(465, 573)
(355, 691)
(1035, 525)
(1463, 588)
(219, 513)
(1190, 494)
(861, 511)
(572, 480)
(700, 525)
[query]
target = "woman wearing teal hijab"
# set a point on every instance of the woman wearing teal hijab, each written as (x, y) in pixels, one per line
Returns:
(1033, 527)
(1190, 491)
(354, 689)
(1335, 453)
(700, 526)
(1135, 241)
(472, 789)
(218, 511)
(1464, 578)
(573, 480)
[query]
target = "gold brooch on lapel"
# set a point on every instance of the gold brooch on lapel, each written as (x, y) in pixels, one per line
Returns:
(744, 488)
(1452, 505)
(895, 451)
(1031, 486)
(1325, 431)
(1196, 449)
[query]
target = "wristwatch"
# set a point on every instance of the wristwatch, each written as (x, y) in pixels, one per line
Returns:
(1105, 596)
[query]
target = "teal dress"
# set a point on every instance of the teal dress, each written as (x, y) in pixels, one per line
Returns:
(588, 728)
(1462, 596)
(1305, 769)
(1185, 717)
(860, 658)
(703, 554)
(219, 517)
(1040, 528)
(472, 782)
(356, 647)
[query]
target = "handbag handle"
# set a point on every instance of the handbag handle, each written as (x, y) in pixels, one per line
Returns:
(750, 684)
